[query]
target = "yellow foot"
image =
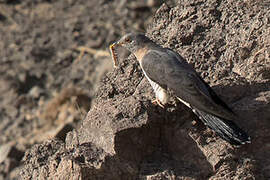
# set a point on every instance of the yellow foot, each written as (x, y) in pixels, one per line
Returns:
(193, 123)
(157, 102)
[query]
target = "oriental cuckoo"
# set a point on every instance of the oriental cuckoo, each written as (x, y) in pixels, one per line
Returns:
(165, 69)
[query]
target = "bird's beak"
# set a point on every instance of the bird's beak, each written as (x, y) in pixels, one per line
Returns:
(118, 43)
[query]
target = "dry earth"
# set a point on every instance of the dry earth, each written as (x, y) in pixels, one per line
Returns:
(45, 90)
(125, 136)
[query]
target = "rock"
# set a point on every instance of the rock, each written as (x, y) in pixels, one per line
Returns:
(62, 131)
(10, 158)
(4, 151)
(35, 92)
(141, 4)
(124, 136)
(11, 111)
(15, 173)
(40, 61)
(38, 155)
(10, 164)
(10, 151)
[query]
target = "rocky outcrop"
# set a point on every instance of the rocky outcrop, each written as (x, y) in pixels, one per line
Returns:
(125, 136)
(53, 55)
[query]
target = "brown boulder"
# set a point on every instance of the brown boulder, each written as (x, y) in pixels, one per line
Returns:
(125, 136)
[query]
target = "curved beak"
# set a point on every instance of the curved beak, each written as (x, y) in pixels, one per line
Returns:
(117, 43)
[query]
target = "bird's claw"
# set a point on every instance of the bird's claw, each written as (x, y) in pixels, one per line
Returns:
(157, 102)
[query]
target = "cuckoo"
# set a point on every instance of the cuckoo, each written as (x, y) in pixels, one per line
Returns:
(165, 69)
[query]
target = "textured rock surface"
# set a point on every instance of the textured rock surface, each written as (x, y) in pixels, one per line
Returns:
(124, 136)
(39, 44)
(45, 91)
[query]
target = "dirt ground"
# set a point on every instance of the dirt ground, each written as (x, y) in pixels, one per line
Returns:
(55, 53)
(52, 56)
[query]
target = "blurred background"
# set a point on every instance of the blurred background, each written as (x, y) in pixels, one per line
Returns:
(54, 53)
(52, 56)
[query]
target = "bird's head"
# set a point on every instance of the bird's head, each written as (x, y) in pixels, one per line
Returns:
(133, 41)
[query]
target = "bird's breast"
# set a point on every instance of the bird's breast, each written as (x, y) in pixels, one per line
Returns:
(140, 53)
(161, 94)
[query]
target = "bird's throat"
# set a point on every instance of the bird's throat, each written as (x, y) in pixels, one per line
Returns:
(139, 53)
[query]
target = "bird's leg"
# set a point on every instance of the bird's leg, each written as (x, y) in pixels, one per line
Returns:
(157, 102)
(162, 97)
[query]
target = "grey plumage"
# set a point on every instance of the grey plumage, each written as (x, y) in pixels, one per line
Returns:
(169, 71)
(176, 74)
(166, 69)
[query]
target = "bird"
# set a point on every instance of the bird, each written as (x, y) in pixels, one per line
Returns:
(166, 70)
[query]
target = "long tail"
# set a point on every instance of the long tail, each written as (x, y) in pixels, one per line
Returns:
(226, 129)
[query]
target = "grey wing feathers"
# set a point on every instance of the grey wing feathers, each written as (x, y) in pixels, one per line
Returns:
(201, 84)
(170, 70)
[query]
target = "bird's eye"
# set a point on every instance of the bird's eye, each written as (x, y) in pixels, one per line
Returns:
(128, 40)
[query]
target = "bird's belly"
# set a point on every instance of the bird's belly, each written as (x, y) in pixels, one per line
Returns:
(161, 94)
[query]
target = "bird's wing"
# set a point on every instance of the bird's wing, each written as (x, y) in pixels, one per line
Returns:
(168, 69)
